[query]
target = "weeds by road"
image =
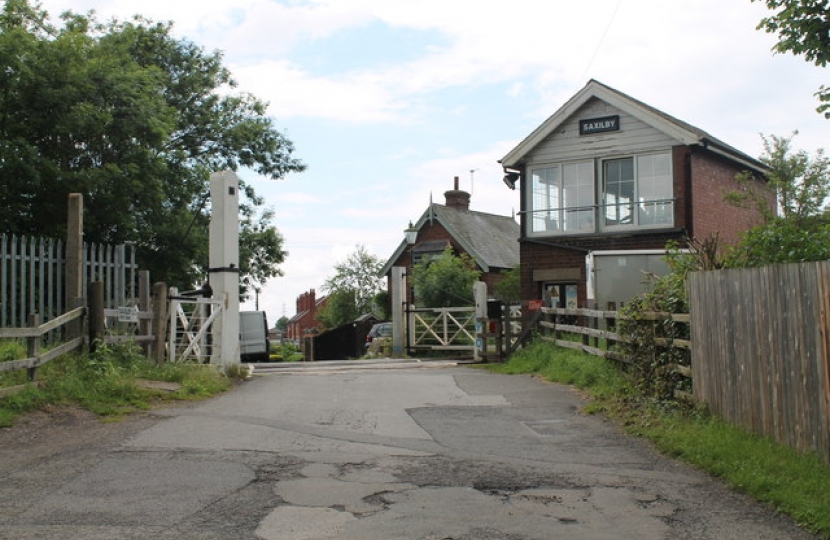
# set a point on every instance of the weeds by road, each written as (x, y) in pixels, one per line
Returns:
(793, 483)
(110, 382)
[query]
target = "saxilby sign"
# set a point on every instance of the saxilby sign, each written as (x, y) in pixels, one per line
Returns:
(603, 124)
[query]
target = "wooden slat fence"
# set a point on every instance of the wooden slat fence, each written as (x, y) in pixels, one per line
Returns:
(32, 277)
(761, 355)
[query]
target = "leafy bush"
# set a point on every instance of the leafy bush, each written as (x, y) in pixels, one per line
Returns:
(446, 281)
(654, 367)
(290, 353)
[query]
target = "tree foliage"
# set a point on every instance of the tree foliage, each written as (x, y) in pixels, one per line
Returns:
(803, 28)
(446, 281)
(282, 323)
(799, 230)
(352, 289)
(508, 289)
(135, 120)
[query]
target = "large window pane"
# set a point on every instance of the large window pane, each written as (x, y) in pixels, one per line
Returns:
(563, 198)
(578, 196)
(656, 206)
(546, 199)
(619, 191)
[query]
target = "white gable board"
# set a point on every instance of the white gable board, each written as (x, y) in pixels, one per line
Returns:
(566, 144)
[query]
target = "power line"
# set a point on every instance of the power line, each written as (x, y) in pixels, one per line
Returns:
(601, 40)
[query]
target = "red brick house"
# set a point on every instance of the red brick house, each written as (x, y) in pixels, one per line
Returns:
(306, 318)
(605, 183)
(491, 240)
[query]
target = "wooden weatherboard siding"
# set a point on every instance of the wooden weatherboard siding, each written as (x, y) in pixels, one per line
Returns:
(761, 354)
(566, 144)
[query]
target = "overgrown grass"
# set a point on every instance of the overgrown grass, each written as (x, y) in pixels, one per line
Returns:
(567, 366)
(792, 483)
(107, 382)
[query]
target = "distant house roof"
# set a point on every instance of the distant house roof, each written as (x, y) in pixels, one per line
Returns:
(491, 240)
(681, 131)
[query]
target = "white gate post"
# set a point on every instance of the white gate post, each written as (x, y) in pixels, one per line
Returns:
(398, 313)
(223, 264)
(480, 295)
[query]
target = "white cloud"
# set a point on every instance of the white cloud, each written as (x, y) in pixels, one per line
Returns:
(293, 92)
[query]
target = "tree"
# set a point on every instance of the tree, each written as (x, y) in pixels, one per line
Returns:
(135, 120)
(353, 288)
(509, 289)
(798, 230)
(445, 281)
(282, 323)
(803, 27)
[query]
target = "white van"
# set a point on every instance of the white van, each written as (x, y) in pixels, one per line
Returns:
(253, 337)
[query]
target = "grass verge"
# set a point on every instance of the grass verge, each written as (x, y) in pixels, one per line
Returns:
(107, 382)
(793, 483)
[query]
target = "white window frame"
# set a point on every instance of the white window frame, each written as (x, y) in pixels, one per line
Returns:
(638, 206)
(537, 219)
(579, 218)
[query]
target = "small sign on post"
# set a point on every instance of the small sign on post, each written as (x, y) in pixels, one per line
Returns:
(128, 314)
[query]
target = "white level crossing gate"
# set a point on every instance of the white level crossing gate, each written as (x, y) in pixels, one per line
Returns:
(445, 329)
(191, 329)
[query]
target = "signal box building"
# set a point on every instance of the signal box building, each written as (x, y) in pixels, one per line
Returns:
(605, 183)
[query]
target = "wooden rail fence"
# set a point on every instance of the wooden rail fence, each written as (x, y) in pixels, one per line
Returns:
(598, 331)
(33, 335)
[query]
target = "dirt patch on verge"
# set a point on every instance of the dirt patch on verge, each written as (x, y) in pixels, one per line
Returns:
(54, 430)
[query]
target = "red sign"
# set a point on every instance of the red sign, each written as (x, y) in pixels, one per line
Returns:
(534, 305)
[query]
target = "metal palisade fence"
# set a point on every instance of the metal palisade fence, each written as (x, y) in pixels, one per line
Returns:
(32, 277)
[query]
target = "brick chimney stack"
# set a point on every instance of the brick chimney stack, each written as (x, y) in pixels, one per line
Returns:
(456, 198)
(306, 301)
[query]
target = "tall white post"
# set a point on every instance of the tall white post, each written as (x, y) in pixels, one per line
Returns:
(223, 264)
(480, 296)
(399, 321)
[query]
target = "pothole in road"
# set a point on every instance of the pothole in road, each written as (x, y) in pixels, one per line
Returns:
(440, 471)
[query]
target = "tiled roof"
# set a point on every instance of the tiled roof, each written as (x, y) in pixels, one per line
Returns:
(488, 238)
(493, 241)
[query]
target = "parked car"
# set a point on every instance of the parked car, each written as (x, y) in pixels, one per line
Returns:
(379, 330)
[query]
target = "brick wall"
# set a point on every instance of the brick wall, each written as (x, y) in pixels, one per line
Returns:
(712, 178)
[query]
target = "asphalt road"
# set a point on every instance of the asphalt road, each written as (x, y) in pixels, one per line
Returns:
(399, 451)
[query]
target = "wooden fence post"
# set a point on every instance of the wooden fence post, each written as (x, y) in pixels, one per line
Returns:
(96, 313)
(159, 324)
(33, 346)
(610, 325)
(144, 325)
(74, 260)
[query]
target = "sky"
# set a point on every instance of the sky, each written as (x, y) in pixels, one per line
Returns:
(387, 101)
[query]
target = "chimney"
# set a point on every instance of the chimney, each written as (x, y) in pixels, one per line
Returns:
(457, 198)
